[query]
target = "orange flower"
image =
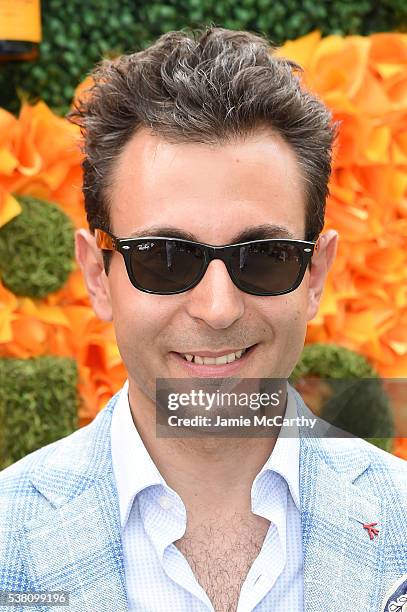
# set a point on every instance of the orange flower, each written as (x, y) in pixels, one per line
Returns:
(9, 206)
(400, 448)
(364, 82)
(40, 156)
(9, 132)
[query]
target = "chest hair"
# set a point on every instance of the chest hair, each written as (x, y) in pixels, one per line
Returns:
(220, 552)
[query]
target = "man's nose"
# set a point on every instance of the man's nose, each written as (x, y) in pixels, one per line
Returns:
(216, 299)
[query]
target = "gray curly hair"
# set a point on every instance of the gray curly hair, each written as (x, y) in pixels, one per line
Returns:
(209, 86)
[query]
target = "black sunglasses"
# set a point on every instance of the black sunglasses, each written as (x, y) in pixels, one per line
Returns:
(166, 266)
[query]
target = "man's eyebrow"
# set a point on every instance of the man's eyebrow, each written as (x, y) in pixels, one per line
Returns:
(254, 232)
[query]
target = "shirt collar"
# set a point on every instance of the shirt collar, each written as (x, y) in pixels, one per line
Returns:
(285, 457)
(134, 470)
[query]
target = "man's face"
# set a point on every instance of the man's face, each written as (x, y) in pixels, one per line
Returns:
(213, 193)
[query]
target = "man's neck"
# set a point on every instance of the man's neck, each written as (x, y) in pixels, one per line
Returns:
(208, 471)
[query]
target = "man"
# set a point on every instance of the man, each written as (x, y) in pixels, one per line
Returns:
(212, 140)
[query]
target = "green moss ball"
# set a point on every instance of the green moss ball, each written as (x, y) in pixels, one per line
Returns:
(359, 404)
(37, 250)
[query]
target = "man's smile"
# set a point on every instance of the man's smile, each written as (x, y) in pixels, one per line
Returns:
(211, 363)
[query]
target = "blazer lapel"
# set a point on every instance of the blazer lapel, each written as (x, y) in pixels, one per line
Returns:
(75, 544)
(341, 561)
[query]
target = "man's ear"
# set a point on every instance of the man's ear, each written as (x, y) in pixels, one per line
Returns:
(90, 260)
(322, 261)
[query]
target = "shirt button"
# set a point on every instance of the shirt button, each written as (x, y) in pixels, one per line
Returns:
(165, 502)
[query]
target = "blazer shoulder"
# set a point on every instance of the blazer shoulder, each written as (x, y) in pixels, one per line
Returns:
(19, 499)
(385, 474)
(386, 466)
(46, 479)
(381, 459)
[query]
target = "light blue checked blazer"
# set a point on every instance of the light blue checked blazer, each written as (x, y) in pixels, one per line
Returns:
(60, 526)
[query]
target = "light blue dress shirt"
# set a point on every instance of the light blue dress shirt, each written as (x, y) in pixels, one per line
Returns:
(153, 517)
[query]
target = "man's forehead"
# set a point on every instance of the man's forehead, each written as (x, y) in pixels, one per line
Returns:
(253, 152)
(192, 195)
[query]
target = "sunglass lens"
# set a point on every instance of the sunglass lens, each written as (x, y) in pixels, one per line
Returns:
(267, 267)
(166, 266)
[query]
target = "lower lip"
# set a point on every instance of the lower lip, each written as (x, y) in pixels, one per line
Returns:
(212, 371)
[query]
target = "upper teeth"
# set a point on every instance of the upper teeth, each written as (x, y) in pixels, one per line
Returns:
(214, 360)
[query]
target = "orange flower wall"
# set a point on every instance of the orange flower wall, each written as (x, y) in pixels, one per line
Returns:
(364, 307)
(364, 82)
